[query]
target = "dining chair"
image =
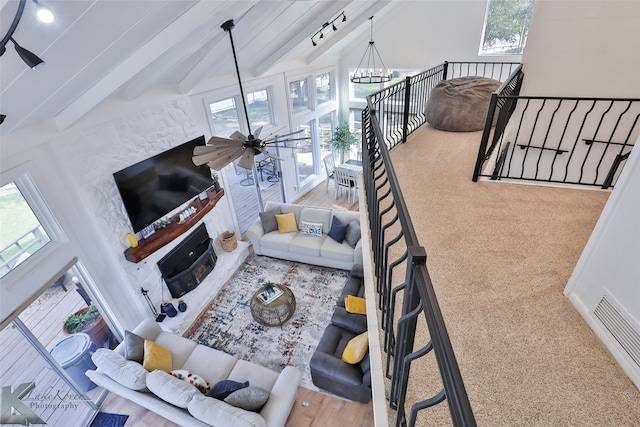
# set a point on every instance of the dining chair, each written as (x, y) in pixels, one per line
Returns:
(329, 165)
(345, 180)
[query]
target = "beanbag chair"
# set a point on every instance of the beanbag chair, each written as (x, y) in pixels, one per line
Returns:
(461, 104)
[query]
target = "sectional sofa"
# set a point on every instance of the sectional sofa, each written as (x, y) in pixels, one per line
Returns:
(178, 400)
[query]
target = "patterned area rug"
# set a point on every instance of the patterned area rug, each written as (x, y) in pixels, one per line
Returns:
(226, 324)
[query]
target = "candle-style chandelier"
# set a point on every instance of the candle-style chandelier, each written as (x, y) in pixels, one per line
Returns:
(371, 73)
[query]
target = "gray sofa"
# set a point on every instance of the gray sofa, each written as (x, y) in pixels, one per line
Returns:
(310, 249)
(181, 402)
(328, 371)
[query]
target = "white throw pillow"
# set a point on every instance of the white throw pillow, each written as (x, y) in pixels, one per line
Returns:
(171, 389)
(216, 412)
(125, 372)
(312, 228)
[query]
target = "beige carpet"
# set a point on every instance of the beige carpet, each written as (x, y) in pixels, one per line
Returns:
(500, 255)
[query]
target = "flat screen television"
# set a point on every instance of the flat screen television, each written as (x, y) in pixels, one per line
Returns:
(152, 188)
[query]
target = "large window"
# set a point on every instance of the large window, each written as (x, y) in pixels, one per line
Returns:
(224, 117)
(260, 111)
(323, 88)
(299, 95)
(21, 234)
(506, 26)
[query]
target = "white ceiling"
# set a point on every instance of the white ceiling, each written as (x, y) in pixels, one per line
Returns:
(99, 48)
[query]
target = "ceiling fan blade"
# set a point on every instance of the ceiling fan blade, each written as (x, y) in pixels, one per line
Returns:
(256, 134)
(219, 140)
(237, 136)
(269, 154)
(246, 161)
(224, 160)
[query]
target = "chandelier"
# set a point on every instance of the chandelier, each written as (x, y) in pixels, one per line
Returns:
(372, 73)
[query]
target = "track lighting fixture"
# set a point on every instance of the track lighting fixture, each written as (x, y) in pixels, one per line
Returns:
(31, 59)
(325, 25)
(43, 13)
(371, 74)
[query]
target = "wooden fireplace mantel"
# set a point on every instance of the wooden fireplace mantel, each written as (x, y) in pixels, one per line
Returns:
(165, 235)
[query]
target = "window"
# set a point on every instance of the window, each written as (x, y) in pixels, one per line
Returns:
(506, 26)
(326, 126)
(323, 88)
(21, 234)
(299, 94)
(224, 117)
(259, 106)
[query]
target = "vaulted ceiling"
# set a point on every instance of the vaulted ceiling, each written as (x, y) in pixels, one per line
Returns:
(96, 49)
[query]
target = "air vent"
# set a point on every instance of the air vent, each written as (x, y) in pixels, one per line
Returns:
(620, 328)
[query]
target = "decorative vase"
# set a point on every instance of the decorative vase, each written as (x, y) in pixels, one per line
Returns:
(182, 306)
(228, 240)
(168, 309)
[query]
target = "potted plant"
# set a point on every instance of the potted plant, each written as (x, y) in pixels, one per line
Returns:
(89, 321)
(216, 181)
(343, 139)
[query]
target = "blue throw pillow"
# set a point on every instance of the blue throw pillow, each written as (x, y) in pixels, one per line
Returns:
(223, 389)
(338, 230)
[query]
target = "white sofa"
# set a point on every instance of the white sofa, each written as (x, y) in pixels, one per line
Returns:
(300, 247)
(212, 365)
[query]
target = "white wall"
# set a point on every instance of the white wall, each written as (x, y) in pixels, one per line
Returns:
(583, 48)
(610, 262)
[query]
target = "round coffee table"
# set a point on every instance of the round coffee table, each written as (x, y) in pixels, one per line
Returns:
(275, 313)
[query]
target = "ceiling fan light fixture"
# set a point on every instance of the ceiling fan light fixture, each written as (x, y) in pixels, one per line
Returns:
(31, 59)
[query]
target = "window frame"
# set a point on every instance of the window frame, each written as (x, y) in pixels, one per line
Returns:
(521, 46)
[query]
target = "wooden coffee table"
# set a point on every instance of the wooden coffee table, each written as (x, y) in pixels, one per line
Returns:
(275, 313)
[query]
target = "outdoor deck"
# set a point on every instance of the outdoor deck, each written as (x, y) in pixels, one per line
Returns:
(20, 363)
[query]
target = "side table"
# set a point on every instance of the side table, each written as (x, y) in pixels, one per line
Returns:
(275, 313)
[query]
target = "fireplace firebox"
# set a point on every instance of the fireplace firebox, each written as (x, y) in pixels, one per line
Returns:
(186, 265)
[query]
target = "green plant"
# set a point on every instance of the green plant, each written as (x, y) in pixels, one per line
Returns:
(269, 287)
(343, 138)
(214, 176)
(79, 320)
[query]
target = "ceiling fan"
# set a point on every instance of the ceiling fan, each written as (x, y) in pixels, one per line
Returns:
(219, 152)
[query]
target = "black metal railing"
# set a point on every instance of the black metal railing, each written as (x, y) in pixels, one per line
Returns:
(406, 298)
(562, 140)
(401, 107)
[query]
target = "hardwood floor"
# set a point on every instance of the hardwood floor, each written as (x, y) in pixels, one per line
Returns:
(311, 409)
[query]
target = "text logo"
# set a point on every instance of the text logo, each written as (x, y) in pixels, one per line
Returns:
(14, 410)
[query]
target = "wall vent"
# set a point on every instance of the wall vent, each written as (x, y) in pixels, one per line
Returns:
(620, 328)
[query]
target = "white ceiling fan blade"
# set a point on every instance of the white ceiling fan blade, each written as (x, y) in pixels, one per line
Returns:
(238, 136)
(246, 161)
(256, 134)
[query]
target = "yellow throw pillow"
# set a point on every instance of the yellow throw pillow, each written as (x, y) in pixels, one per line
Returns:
(356, 349)
(355, 305)
(287, 223)
(156, 357)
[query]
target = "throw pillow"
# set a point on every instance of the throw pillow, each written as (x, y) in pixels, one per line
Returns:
(170, 389)
(353, 233)
(133, 347)
(249, 398)
(287, 223)
(195, 380)
(156, 357)
(126, 372)
(338, 230)
(356, 349)
(355, 304)
(268, 219)
(224, 388)
(312, 228)
(218, 413)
